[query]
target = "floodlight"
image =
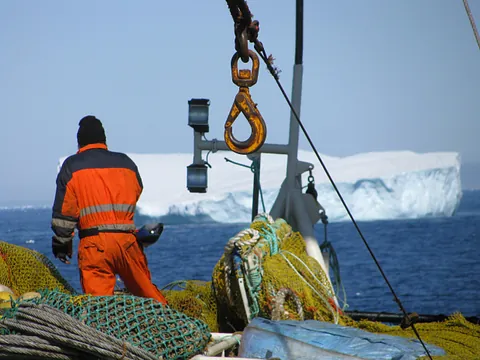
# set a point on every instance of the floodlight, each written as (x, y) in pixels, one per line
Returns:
(198, 114)
(197, 178)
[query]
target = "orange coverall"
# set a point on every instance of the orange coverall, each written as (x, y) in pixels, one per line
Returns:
(97, 191)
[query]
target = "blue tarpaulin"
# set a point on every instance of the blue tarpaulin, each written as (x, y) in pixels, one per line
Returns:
(310, 339)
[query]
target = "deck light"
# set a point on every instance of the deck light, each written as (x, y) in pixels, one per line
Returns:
(197, 178)
(198, 114)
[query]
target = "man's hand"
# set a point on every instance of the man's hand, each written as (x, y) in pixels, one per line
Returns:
(62, 250)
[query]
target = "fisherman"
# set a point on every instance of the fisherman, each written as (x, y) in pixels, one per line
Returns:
(97, 191)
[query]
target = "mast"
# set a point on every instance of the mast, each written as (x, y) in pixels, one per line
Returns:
(296, 101)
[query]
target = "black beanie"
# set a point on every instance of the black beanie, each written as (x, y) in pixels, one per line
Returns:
(90, 131)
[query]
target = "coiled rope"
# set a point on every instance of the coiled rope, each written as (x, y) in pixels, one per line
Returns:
(279, 301)
(33, 347)
(46, 332)
(237, 242)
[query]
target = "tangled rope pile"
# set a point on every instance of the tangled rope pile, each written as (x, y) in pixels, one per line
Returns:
(263, 264)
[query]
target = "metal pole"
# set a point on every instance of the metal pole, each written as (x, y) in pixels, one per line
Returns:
(256, 184)
(299, 33)
(197, 152)
(220, 145)
(296, 102)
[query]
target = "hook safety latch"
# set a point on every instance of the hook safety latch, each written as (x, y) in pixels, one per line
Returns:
(243, 103)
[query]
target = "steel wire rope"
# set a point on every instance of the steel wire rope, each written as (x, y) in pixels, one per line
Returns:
(472, 22)
(64, 336)
(397, 300)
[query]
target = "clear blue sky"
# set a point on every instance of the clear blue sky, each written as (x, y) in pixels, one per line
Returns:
(379, 75)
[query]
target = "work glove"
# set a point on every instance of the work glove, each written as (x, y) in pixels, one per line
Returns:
(62, 250)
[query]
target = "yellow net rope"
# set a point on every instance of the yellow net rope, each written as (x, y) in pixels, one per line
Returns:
(195, 299)
(459, 338)
(25, 270)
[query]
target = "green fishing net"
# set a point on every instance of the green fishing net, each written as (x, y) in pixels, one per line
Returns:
(143, 322)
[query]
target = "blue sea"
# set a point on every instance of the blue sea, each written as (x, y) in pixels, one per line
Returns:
(433, 264)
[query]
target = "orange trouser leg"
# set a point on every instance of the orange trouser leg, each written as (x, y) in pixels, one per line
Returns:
(132, 267)
(96, 274)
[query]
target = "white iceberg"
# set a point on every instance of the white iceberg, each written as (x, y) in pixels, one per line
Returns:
(379, 185)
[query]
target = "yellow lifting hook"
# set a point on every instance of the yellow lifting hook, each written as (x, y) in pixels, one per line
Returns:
(243, 103)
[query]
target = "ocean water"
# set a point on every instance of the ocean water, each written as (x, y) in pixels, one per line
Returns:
(433, 264)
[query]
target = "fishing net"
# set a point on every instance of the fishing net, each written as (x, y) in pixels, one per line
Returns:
(24, 270)
(263, 262)
(194, 298)
(266, 264)
(145, 323)
(459, 338)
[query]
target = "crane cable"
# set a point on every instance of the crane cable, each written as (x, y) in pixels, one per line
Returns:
(472, 22)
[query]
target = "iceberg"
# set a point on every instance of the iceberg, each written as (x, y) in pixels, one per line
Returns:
(375, 186)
